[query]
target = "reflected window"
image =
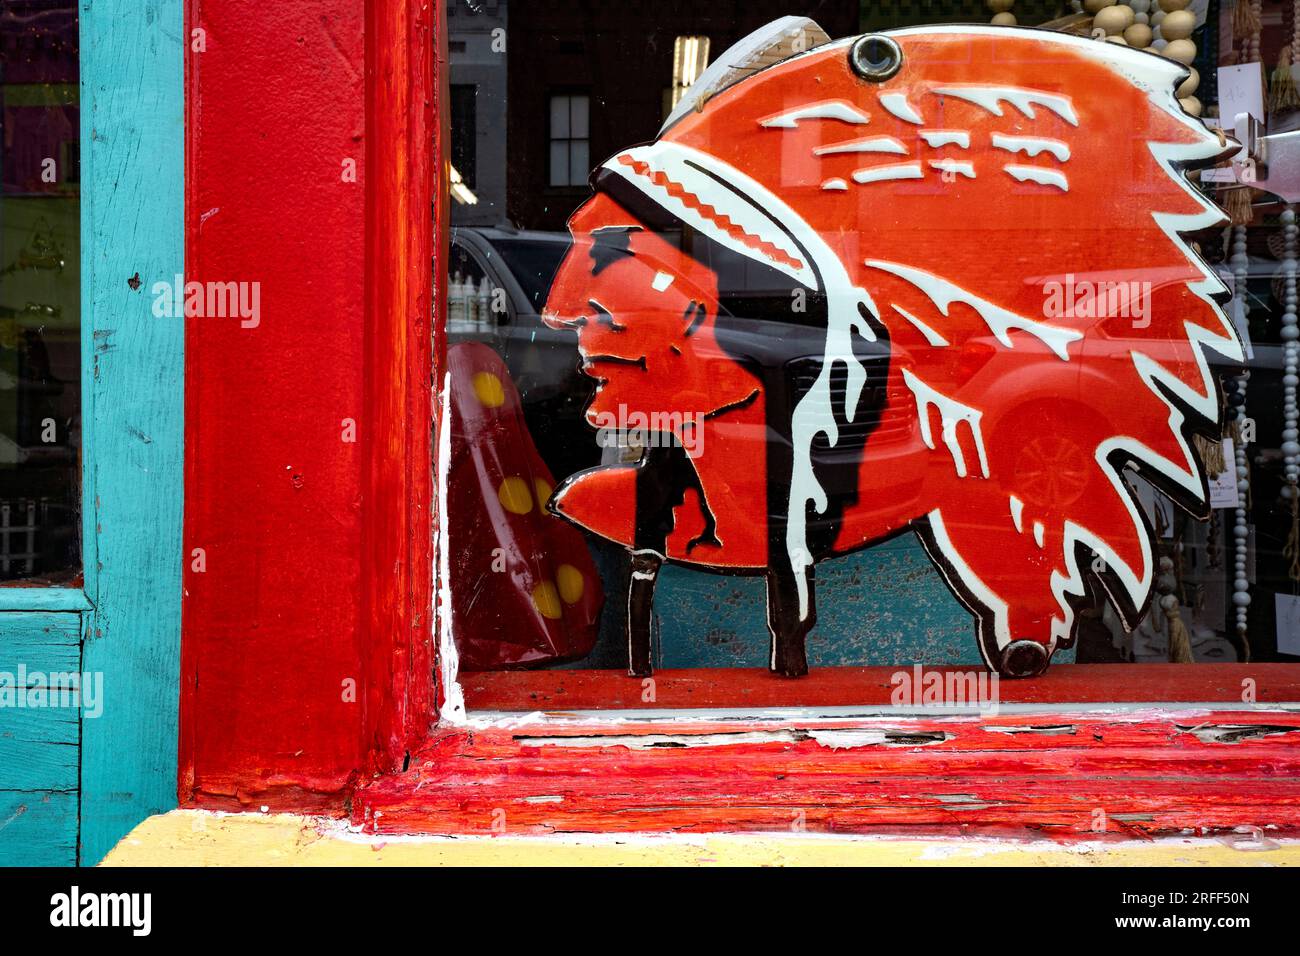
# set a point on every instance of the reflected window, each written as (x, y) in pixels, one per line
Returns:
(570, 147)
(40, 303)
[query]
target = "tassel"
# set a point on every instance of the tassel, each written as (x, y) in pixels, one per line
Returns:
(1292, 550)
(1211, 453)
(1282, 93)
(1167, 586)
(1237, 204)
(1180, 642)
(1245, 21)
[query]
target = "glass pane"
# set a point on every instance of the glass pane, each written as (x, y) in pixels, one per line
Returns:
(578, 164)
(842, 346)
(559, 117)
(559, 162)
(40, 302)
(578, 120)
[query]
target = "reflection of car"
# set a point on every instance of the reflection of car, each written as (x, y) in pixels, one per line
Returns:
(543, 362)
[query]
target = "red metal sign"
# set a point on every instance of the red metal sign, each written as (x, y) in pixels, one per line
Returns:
(929, 280)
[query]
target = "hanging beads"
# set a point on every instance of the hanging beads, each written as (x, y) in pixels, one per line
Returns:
(1291, 354)
(1236, 396)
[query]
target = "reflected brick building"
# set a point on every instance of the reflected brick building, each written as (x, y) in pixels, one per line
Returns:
(619, 56)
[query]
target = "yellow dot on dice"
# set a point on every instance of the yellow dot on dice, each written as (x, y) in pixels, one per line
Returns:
(542, 488)
(489, 389)
(571, 583)
(514, 496)
(547, 600)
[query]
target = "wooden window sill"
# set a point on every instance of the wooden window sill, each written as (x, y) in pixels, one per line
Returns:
(567, 690)
(1071, 774)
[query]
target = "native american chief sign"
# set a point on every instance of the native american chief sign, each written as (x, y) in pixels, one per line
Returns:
(931, 281)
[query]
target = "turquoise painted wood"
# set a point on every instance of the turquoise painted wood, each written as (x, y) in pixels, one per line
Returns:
(38, 829)
(43, 599)
(39, 746)
(133, 147)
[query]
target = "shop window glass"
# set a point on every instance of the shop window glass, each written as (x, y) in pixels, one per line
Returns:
(40, 303)
(658, 462)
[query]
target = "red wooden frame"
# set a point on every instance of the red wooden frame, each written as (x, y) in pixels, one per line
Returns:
(1065, 775)
(872, 687)
(318, 553)
(403, 149)
(306, 645)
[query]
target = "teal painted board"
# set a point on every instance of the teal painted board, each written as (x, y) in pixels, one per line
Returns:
(39, 746)
(38, 749)
(132, 134)
(40, 642)
(42, 599)
(40, 731)
(38, 829)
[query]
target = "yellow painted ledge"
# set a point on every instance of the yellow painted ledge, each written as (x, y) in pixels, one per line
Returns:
(204, 838)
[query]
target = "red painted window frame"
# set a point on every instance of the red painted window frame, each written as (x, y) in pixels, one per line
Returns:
(267, 644)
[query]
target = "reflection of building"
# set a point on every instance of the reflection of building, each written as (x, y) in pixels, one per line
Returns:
(40, 289)
(477, 47)
(587, 79)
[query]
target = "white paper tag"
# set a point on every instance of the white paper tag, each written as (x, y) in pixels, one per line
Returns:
(1219, 174)
(1241, 90)
(1287, 607)
(1223, 487)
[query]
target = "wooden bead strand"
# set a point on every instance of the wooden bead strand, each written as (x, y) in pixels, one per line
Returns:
(1139, 34)
(1173, 26)
(1001, 10)
(1111, 20)
(1257, 9)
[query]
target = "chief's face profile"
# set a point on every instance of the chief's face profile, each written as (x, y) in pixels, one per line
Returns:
(645, 314)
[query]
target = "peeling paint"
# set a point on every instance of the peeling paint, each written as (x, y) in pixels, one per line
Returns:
(1234, 733)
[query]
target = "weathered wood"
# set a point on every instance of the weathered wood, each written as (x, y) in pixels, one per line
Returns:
(39, 749)
(1068, 775)
(397, 531)
(862, 686)
(276, 654)
(38, 829)
(42, 642)
(26, 598)
(132, 154)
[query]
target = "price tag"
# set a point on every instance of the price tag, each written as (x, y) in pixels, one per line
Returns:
(1223, 487)
(1288, 623)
